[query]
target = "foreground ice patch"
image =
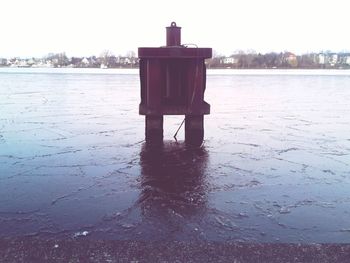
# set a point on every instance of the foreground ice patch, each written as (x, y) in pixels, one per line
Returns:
(79, 234)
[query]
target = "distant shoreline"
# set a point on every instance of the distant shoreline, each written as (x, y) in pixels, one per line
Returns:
(210, 72)
(209, 68)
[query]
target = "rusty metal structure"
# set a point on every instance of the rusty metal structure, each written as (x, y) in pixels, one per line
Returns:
(173, 79)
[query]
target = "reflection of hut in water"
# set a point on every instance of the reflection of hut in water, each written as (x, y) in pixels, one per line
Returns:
(173, 181)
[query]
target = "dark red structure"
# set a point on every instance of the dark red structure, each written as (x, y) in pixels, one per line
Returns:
(173, 81)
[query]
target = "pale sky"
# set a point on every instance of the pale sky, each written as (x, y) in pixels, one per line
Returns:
(87, 27)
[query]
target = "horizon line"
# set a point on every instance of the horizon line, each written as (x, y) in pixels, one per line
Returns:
(218, 54)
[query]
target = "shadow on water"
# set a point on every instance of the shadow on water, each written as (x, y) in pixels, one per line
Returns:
(173, 185)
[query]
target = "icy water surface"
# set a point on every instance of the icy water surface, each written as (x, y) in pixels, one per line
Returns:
(274, 167)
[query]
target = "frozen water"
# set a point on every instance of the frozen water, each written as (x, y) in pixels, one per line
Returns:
(274, 167)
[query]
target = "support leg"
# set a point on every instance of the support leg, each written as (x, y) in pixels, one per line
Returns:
(154, 128)
(194, 130)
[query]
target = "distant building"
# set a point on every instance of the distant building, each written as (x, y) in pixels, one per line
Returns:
(31, 62)
(229, 60)
(347, 60)
(321, 59)
(92, 61)
(23, 64)
(123, 60)
(3, 62)
(333, 59)
(85, 61)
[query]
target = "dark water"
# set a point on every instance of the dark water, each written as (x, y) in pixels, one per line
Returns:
(274, 167)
